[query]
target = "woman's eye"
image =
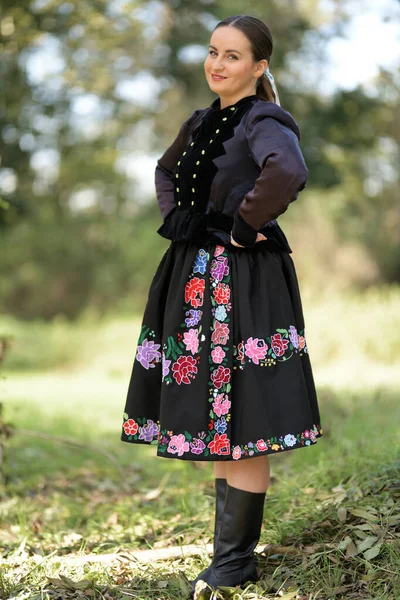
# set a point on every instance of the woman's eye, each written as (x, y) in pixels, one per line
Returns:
(231, 55)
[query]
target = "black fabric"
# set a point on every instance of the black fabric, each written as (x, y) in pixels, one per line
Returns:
(222, 370)
(242, 232)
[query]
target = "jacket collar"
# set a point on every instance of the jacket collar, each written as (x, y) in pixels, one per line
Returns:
(215, 105)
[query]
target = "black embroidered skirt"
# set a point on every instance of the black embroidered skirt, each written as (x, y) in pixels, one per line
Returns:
(222, 370)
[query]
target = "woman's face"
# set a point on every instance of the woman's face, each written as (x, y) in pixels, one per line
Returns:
(230, 57)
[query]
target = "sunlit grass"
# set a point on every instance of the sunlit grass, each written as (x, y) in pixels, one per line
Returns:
(103, 496)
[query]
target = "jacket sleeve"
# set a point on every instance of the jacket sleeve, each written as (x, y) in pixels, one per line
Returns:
(275, 148)
(164, 179)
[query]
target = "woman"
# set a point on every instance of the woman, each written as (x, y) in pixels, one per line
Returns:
(222, 372)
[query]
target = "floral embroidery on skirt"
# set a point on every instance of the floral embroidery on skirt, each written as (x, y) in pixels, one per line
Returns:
(195, 368)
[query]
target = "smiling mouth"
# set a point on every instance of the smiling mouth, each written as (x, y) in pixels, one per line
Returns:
(217, 76)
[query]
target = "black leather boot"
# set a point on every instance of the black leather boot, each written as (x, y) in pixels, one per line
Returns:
(220, 494)
(233, 563)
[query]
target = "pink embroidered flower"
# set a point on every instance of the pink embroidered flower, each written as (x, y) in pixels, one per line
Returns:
(219, 250)
(222, 293)
(256, 349)
(194, 291)
(221, 405)
(261, 446)
(178, 445)
(191, 340)
(278, 344)
(220, 444)
(220, 376)
(237, 453)
(313, 437)
(306, 433)
(130, 427)
(184, 368)
(220, 334)
(218, 354)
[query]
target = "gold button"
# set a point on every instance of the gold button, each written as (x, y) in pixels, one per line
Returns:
(192, 202)
(184, 153)
(179, 202)
(176, 175)
(193, 190)
(203, 151)
(179, 162)
(211, 141)
(217, 131)
(225, 118)
(192, 144)
(197, 162)
(233, 108)
(177, 189)
(194, 175)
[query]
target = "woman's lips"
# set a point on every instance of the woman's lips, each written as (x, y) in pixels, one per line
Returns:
(217, 77)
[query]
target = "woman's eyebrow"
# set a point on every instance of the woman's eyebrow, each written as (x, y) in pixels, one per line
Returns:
(232, 50)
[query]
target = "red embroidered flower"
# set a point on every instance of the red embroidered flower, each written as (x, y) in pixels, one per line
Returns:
(220, 444)
(222, 293)
(211, 425)
(220, 376)
(130, 427)
(261, 445)
(220, 334)
(184, 368)
(302, 342)
(194, 291)
(278, 344)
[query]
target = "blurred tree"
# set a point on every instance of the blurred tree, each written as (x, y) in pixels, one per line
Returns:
(89, 84)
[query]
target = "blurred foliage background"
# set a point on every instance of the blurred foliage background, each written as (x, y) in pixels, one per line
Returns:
(90, 90)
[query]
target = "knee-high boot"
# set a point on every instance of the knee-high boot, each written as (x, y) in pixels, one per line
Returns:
(233, 563)
(220, 494)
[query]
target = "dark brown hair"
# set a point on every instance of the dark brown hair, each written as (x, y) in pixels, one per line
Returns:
(261, 44)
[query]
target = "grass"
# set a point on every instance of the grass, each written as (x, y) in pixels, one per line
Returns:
(332, 510)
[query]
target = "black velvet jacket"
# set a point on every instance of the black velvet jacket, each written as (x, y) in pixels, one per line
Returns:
(235, 170)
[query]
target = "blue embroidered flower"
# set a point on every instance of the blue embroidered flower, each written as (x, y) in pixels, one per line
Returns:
(200, 263)
(220, 425)
(220, 313)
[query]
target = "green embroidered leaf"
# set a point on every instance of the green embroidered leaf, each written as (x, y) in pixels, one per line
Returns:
(206, 452)
(162, 448)
(144, 332)
(290, 346)
(126, 416)
(227, 320)
(228, 387)
(225, 348)
(273, 355)
(188, 436)
(200, 329)
(283, 331)
(183, 324)
(269, 351)
(154, 443)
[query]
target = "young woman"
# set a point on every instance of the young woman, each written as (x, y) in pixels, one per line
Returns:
(222, 371)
